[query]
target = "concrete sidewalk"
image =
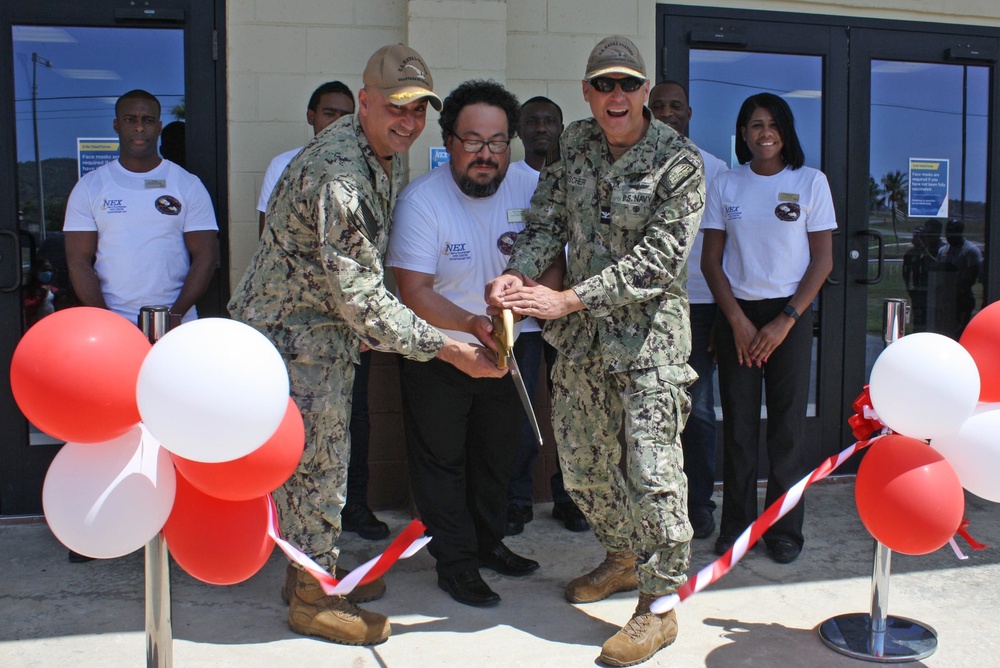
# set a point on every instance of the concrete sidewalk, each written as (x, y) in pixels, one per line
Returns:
(55, 613)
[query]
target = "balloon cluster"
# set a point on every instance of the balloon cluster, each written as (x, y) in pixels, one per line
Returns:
(218, 433)
(927, 387)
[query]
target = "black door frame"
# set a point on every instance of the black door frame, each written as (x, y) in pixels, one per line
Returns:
(846, 44)
(22, 467)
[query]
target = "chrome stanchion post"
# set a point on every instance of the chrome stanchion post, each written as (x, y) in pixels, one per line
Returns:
(878, 636)
(154, 321)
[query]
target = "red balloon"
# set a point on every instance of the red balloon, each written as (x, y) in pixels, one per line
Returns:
(909, 497)
(73, 374)
(982, 339)
(259, 473)
(216, 541)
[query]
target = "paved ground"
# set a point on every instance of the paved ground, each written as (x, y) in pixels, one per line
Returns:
(54, 613)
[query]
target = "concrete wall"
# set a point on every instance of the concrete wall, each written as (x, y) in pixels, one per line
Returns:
(280, 50)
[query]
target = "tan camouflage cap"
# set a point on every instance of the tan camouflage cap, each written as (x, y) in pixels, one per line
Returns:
(615, 54)
(399, 73)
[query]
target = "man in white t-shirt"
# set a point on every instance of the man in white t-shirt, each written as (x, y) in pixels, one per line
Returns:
(453, 229)
(329, 102)
(540, 122)
(668, 101)
(140, 230)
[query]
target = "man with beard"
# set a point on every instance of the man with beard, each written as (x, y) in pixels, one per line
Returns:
(315, 289)
(627, 193)
(540, 123)
(453, 229)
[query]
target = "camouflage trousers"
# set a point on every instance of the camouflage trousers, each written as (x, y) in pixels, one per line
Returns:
(309, 503)
(644, 510)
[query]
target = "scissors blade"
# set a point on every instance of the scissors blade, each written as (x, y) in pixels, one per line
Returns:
(515, 373)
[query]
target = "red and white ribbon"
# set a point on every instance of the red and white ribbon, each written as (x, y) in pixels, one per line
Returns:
(753, 533)
(405, 545)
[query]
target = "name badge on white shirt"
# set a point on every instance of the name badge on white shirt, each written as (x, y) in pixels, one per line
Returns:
(155, 184)
(516, 215)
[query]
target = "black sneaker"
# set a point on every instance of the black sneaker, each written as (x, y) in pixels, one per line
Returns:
(517, 517)
(361, 520)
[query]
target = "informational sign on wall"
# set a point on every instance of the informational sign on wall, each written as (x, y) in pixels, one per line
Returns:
(92, 153)
(928, 187)
(439, 156)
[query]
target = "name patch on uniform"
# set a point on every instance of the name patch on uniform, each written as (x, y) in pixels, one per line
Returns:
(516, 215)
(680, 172)
(788, 197)
(633, 194)
(581, 181)
(168, 206)
(156, 184)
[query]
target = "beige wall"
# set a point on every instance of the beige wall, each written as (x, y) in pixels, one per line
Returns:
(280, 50)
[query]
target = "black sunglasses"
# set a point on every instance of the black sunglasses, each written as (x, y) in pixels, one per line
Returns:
(607, 84)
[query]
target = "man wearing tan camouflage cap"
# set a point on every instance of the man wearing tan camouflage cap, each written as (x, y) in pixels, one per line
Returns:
(315, 289)
(627, 195)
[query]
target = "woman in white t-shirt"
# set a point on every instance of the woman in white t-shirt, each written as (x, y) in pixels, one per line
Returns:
(767, 250)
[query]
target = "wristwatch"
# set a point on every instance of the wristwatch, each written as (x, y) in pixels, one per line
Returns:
(790, 311)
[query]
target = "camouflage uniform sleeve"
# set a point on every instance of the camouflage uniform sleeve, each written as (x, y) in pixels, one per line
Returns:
(545, 230)
(660, 256)
(351, 236)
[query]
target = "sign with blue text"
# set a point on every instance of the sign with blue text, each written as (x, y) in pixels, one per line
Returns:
(928, 187)
(92, 153)
(439, 156)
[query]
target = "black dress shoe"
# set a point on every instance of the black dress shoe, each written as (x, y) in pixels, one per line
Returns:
(702, 522)
(783, 551)
(570, 516)
(469, 588)
(361, 520)
(505, 562)
(517, 517)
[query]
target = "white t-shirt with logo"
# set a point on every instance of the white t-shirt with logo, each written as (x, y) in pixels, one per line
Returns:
(463, 241)
(272, 175)
(697, 286)
(767, 220)
(140, 220)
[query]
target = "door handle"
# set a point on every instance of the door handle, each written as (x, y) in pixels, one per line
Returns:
(881, 257)
(16, 255)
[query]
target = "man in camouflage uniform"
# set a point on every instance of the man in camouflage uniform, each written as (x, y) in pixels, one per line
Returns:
(626, 193)
(315, 289)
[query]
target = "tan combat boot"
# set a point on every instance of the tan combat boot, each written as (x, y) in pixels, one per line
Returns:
(616, 573)
(312, 613)
(643, 636)
(372, 591)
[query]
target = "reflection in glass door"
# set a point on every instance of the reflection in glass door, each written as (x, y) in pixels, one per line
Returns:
(928, 194)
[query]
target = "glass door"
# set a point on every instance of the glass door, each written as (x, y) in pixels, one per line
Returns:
(62, 76)
(928, 148)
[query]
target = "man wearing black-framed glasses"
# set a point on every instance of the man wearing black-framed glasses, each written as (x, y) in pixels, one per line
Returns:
(627, 195)
(453, 229)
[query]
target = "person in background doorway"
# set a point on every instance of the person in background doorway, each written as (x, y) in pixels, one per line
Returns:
(172, 143)
(540, 123)
(140, 230)
(768, 248)
(959, 262)
(669, 103)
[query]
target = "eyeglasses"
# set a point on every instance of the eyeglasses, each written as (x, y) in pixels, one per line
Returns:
(607, 84)
(475, 145)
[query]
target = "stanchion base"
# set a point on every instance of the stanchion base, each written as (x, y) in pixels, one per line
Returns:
(904, 640)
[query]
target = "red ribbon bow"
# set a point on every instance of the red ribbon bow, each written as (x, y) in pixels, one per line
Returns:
(973, 543)
(861, 425)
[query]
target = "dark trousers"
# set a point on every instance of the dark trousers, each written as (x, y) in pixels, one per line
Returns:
(461, 434)
(699, 436)
(786, 375)
(361, 429)
(529, 350)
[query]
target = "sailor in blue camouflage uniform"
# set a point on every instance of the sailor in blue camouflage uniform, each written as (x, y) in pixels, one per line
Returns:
(315, 289)
(626, 193)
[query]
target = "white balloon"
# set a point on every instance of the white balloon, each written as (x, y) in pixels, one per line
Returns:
(212, 390)
(924, 385)
(107, 499)
(974, 452)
